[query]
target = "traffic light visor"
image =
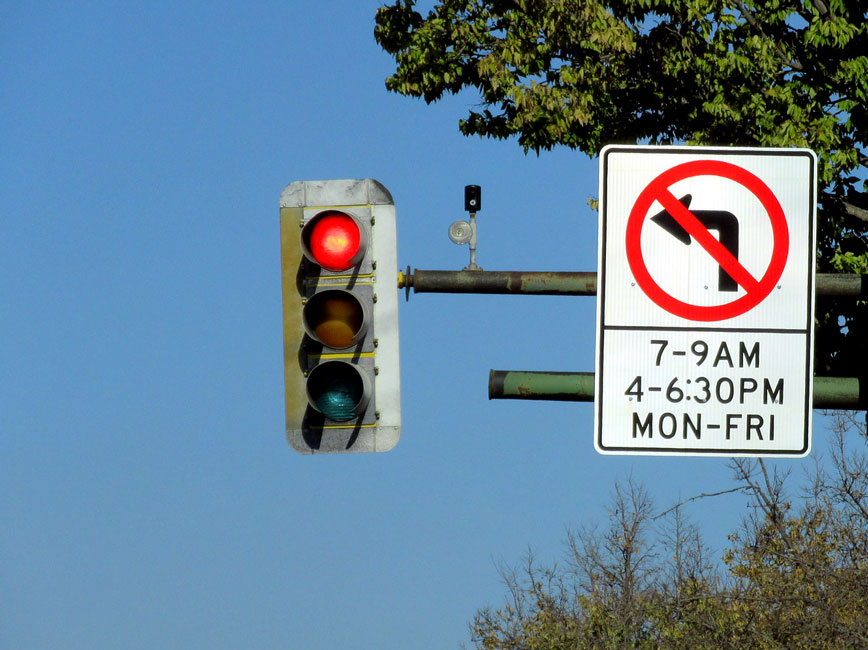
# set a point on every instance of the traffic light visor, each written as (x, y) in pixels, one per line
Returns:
(336, 318)
(334, 240)
(338, 390)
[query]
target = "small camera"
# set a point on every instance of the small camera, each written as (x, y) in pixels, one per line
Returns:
(472, 198)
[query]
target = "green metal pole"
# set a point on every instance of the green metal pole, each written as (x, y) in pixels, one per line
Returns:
(839, 393)
(829, 392)
(531, 384)
(557, 386)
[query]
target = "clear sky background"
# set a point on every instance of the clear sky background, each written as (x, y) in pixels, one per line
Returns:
(148, 497)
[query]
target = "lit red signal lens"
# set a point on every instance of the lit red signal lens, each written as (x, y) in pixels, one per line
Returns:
(335, 241)
(335, 318)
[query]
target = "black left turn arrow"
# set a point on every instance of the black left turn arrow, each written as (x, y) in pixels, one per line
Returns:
(725, 223)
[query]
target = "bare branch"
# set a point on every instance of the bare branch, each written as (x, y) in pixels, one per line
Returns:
(704, 495)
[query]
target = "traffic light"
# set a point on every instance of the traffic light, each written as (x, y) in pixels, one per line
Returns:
(340, 316)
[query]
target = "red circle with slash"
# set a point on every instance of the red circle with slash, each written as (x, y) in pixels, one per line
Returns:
(756, 290)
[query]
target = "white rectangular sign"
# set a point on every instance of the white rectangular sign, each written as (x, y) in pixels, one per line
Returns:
(705, 301)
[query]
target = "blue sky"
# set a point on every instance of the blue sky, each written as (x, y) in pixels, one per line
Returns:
(148, 495)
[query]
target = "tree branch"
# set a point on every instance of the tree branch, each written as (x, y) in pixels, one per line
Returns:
(822, 8)
(855, 211)
(740, 488)
(753, 22)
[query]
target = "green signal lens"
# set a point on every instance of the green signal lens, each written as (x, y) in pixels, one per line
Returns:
(335, 318)
(338, 390)
(338, 400)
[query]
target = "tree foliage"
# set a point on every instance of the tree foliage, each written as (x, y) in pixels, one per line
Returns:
(795, 575)
(586, 73)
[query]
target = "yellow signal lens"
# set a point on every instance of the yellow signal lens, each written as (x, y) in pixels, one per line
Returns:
(335, 318)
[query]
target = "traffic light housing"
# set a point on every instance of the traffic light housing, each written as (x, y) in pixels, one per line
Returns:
(340, 316)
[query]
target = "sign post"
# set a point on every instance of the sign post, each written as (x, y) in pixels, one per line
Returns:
(705, 301)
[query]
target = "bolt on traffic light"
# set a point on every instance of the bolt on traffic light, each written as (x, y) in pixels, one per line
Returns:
(340, 316)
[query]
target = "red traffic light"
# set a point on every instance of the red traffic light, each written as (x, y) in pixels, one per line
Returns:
(340, 316)
(334, 241)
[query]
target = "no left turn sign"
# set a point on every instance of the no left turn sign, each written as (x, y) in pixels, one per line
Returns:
(705, 301)
(681, 217)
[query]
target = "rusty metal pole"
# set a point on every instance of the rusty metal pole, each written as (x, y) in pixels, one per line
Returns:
(548, 283)
(568, 283)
